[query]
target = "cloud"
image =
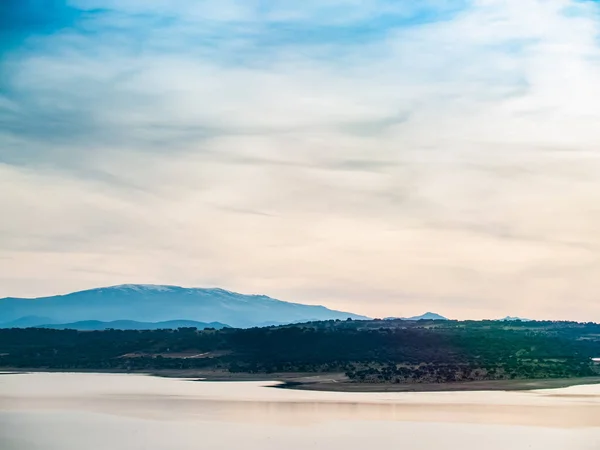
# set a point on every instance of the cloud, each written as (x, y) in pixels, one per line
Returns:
(384, 157)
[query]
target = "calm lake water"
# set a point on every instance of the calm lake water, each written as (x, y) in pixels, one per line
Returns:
(51, 411)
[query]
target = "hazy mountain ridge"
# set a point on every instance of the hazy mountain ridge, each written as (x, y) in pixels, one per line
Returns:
(159, 303)
(93, 325)
(426, 316)
(27, 322)
(514, 319)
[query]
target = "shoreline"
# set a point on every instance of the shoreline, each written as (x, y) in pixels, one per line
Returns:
(468, 386)
(335, 382)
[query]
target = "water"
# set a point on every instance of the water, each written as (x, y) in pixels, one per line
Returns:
(134, 412)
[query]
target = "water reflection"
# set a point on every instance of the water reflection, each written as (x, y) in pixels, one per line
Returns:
(154, 413)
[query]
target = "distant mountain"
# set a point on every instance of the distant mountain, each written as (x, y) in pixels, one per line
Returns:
(151, 303)
(426, 316)
(513, 319)
(89, 325)
(27, 322)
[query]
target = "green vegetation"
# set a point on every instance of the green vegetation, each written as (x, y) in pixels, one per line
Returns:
(377, 351)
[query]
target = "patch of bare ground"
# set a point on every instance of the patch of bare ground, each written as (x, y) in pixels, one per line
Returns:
(341, 385)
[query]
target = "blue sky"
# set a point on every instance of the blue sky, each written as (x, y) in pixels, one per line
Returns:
(377, 156)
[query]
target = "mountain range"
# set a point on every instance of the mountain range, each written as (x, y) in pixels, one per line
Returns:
(157, 303)
(426, 316)
(91, 325)
(514, 319)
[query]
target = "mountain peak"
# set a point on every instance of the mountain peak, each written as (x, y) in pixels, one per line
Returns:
(160, 303)
(426, 316)
(143, 287)
(514, 319)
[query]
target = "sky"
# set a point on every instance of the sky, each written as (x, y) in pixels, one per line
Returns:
(382, 157)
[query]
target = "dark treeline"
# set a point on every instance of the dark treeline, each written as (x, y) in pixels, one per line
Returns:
(392, 351)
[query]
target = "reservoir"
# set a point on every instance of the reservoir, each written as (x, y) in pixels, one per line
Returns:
(83, 411)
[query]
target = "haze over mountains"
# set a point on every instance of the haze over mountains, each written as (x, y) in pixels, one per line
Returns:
(514, 319)
(154, 303)
(149, 307)
(426, 316)
(93, 325)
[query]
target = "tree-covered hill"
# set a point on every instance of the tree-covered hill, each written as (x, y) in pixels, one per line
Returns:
(390, 351)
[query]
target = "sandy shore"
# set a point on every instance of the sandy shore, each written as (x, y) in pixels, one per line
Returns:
(338, 382)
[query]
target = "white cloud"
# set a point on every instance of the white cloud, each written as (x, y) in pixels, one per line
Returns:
(450, 165)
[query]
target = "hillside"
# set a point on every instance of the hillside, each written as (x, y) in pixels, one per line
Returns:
(375, 351)
(151, 303)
